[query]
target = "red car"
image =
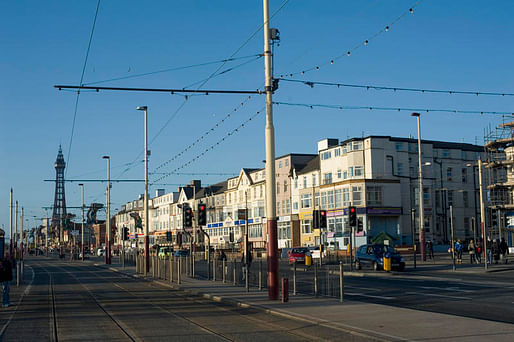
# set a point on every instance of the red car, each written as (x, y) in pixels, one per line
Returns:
(298, 255)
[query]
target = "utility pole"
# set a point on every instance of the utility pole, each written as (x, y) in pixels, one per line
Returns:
(147, 218)
(453, 237)
(82, 245)
(16, 232)
(420, 193)
(271, 219)
(108, 213)
(10, 222)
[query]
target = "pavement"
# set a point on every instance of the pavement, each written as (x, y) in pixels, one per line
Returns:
(373, 321)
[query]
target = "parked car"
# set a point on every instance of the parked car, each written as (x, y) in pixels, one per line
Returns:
(165, 252)
(182, 253)
(315, 253)
(298, 255)
(373, 256)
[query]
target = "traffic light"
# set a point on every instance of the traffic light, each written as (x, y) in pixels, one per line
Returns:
(494, 218)
(188, 217)
(169, 236)
(352, 216)
(125, 233)
(323, 219)
(315, 219)
(202, 214)
(360, 225)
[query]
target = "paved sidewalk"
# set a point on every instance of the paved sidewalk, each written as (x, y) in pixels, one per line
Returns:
(371, 320)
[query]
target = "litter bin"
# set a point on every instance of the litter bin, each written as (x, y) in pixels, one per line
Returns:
(387, 262)
(308, 260)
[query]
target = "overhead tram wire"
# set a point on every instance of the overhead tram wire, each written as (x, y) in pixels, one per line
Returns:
(396, 109)
(418, 90)
(229, 114)
(235, 130)
(350, 51)
(81, 79)
(203, 83)
(172, 69)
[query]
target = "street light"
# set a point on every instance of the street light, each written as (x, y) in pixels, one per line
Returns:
(108, 213)
(483, 227)
(82, 247)
(147, 232)
(420, 193)
(474, 166)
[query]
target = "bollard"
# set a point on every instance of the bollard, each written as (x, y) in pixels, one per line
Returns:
(285, 290)
(214, 269)
(224, 272)
(341, 288)
(260, 275)
(387, 262)
(294, 278)
(315, 279)
(234, 272)
(179, 270)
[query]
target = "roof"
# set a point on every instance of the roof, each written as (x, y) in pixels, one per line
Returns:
(313, 165)
(213, 189)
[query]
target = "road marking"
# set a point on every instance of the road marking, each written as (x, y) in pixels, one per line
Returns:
(438, 295)
(453, 289)
(362, 288)
(367, 295)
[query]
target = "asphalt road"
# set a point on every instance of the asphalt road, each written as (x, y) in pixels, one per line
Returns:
(71, 301)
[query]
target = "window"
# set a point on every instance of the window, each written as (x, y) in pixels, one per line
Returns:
(426, 197)
(262, 191)
(287, 162)
(399, 146)
(465, 199)
(399, 169)
(295, 205)
(296, 183)
(337, 152)
(357, 145)
(278, 208)
(437, 198)
(337, 194)
(359, 171)
(306, 200)
(339, 174)
(450, 197)
(278, 187)
(346, 197)
(446, 153)
(316, 200)
(464, 175)
(345, 174)
(357, 195)
(330, 199)
(306, 226)
(304, 182)
(280, 164)
(327, 178)
(449, 174)
(323, 200)
(287, 208)
(314, 180)
(284, 230)
(326, 155)
(374, 195)
(255, 230)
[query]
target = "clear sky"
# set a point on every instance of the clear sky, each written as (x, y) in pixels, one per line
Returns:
(458, 45)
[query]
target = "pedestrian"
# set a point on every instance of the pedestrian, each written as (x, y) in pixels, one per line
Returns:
(430, 249)
(503, 250)
(6, 277)
(222, 256)
(489, 255)
(495, 250)
(458, 249)
(471, 251)
(478, 254)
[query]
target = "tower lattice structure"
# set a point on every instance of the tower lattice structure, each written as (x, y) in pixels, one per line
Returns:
(59, 212)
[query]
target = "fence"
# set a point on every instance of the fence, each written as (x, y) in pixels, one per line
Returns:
(318, 280)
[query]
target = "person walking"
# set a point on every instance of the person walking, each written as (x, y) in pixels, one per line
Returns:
(6, 277)
(489, 255)
(478, 254)
(503, 250)
(471, 251)
(458, 249)
(495, 249)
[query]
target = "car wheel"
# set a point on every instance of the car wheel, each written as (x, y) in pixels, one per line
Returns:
(357, 264)
(375, 266)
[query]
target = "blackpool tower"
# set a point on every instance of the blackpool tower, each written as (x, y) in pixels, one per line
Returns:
(59, 212)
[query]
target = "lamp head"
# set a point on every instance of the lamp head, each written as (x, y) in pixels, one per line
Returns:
(415, 114)
(106, 157)
(142, 108)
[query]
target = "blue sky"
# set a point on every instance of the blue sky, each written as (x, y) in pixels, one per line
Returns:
(460, 45)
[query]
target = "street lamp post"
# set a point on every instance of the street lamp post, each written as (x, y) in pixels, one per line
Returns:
(82, 245)
(483, 228)
(108, 213)
(420, 193)
(475, 198)
(147, 222)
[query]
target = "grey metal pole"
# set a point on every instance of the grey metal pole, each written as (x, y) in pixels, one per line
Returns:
(82, 195)
(10, 223)
(271, 220)
(15, 250)
(483, 226)
(341, 288)
(315, 279)
(420, 195)
(294, 278)
(413, 223)
(453, 237)
(108, 213)
(147, 218)
(179, 269)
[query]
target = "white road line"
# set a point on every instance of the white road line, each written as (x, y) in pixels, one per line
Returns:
(362, 288)
(452, 289)
(367, 295)
(438, 295)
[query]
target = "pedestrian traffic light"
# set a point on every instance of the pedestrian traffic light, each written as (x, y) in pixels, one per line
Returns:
(188, 217)
(202, 214)
(352, 216)
(323, 219)
(169, 236)
(360, 225)
(315, 219)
